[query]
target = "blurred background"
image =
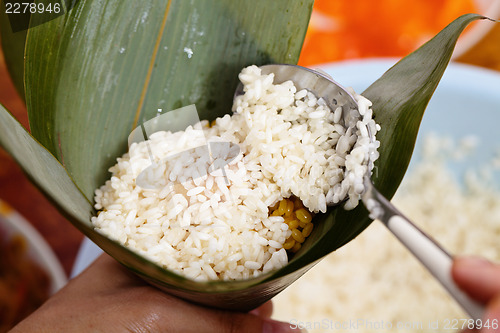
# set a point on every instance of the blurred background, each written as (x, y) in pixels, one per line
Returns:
(342, 30)
(339, 30)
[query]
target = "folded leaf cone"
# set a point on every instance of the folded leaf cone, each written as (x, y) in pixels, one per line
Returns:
(92, 75)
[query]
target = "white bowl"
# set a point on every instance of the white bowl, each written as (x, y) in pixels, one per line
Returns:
(12, 223)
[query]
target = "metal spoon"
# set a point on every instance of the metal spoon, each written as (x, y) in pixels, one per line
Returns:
(424, 248)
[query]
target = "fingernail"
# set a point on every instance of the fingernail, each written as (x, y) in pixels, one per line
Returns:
(272, 326)
(255, 312)
(473, 263)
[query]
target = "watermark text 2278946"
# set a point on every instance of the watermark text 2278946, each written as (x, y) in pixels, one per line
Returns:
(23, 14)
(32, 7)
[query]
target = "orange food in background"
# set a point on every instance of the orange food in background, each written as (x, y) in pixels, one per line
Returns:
(347, 29)
(24, 286)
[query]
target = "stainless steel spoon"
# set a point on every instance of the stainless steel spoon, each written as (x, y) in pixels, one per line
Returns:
(424, 248)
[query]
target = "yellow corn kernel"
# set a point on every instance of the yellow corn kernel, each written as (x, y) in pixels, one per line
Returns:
(275, 213)
(297, 235)
(298, 219)
(293, 224)
(282, 207)
(289, 208)
(296, 247)
(303, 215)
(307, 229)
(290, 242)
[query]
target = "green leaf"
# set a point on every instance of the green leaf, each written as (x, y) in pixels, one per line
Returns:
(44, 170)
(93, 74)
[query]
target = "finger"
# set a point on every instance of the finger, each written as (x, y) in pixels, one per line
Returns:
(477, 277)
(265, 310)
(493, 316)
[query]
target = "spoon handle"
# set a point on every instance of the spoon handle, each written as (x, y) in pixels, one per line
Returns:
(422, 246)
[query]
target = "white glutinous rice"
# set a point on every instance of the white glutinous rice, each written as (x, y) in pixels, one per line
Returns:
(206, 215)
(373, 284)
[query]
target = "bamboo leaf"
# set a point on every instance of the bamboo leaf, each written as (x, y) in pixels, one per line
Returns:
(92, 75)
(44, 170)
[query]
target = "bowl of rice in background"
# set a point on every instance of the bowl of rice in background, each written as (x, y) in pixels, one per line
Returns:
(451, 190)
(373, 281)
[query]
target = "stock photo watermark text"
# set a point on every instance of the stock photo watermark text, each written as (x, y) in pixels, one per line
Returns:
(361, 324)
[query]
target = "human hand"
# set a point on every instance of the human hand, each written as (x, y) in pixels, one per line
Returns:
(108, 298)
(480, 279)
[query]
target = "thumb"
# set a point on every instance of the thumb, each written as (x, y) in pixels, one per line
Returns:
(477, 277)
